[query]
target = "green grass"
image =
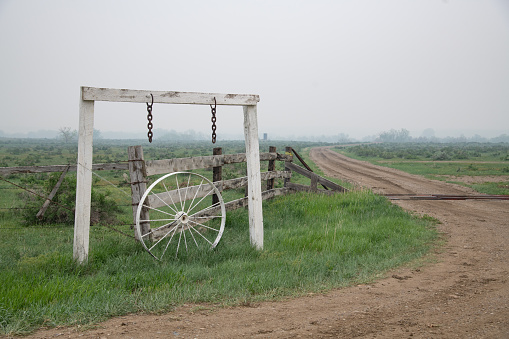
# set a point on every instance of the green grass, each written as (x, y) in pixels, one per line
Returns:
(312, 243)
(441, 161)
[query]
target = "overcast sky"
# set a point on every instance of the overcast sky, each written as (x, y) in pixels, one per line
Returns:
(357, 67)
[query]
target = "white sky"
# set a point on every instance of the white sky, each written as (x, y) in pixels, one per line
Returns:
(357, 67)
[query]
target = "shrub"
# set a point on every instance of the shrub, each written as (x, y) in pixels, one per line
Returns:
(103, 208)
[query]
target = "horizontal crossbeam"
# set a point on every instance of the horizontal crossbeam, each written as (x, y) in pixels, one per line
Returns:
(164, 97)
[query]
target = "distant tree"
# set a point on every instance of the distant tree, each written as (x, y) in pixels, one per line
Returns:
(428, 133)
(501, 138)
(97, 134)
(402, 135)
(66, 134)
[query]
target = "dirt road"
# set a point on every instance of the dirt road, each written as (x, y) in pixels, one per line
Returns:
(464, 294)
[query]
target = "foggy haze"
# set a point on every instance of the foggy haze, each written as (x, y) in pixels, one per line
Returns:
(320, 67)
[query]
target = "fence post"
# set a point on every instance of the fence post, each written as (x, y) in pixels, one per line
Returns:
(137, 173)
(83, 181)
(288, 151)
(217, 173)
(271, 167)
(254, 176)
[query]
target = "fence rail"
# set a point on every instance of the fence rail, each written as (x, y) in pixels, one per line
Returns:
(140, 169)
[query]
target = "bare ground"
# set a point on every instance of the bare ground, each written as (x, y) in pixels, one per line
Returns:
(464, 293)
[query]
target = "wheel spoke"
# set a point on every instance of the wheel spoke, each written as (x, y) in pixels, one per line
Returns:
(178, 245)
(157, 229)
(211, 207)
(178, 190)
(162, 238)
(195, 194)
(169, 241)
(207, 240)
(156, 209)
(206, 217)
(203, 225)
(175, 209)
(149, 220)
(187, 189)
(164, 202)
(190, 209)
(192, 235)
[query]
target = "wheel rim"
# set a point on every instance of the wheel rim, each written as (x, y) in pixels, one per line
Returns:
(181, 214)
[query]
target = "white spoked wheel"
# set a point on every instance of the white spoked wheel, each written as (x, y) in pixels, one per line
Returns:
(176, 213)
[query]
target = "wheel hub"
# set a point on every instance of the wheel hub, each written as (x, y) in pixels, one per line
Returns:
(182, 217)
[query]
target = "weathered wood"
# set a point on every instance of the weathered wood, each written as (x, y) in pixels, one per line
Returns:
(271, 167)
(234, 158)
(313, 176)
(253, 173)
(54, 191)
(83, 181)
(155, 167)
(157, 200)
(119, 166)
(164, 97)
(288, 151)
(217, 173)
(243, 202)
(313, 183)
(137, 173)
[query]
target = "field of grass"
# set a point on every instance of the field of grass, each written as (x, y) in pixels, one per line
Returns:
(441, 161)
(312, 243)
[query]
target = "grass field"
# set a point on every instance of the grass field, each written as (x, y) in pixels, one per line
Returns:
(312, 243)
(444, 162)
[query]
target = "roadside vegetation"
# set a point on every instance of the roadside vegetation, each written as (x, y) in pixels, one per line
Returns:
(313, 243)
(447, 162)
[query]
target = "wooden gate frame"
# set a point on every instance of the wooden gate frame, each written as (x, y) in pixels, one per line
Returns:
(89, 95)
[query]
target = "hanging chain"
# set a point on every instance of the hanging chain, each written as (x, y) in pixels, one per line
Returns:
(149, 118)
(213, 119)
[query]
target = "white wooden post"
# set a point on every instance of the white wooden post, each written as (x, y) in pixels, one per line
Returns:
(84, 181)
(254, 177)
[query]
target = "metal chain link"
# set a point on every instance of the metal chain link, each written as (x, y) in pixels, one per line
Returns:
(213, 119)
(149, 118)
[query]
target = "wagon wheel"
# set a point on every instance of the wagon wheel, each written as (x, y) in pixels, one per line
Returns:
(181, 214)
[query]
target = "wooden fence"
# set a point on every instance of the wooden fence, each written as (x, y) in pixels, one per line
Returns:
(140, 170)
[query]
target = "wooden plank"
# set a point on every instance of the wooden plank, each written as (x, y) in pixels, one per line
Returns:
(243, 202)
(288, 151)
(182, 164)
(157, 200)
(83, 182)
(54, 191)
(319, 179)
(118, 166)
(167, 97)
(313, 183)
(155, 167)
(234, 158)
(217, 173)
(271, 167)
(137, 175)
(254, 179)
